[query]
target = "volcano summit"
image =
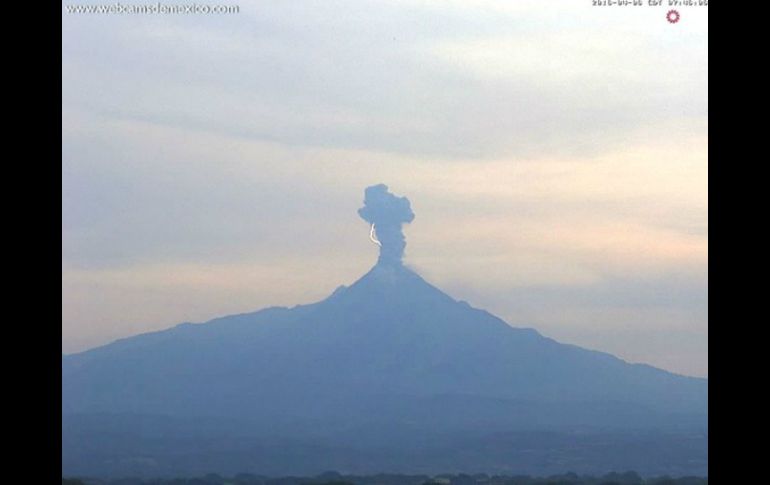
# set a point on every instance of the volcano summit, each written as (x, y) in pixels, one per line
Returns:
(387, 374)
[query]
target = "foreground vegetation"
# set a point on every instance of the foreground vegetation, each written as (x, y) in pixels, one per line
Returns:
(332, 478)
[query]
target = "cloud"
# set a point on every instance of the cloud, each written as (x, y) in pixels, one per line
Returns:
(419, 79)
(387, 212)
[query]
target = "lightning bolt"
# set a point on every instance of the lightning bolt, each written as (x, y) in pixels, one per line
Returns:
(374, 239)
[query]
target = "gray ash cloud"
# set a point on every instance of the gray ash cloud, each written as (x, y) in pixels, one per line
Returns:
(388, 213)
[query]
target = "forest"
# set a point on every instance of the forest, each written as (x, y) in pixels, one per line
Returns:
(334, 478)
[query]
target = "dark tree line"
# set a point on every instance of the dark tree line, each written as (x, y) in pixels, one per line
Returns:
(333, 478)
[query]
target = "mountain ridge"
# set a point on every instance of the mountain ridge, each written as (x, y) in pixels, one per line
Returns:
(388, 360)
(390, 303)
(340, 290)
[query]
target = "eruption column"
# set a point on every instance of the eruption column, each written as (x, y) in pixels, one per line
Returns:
(387, 212)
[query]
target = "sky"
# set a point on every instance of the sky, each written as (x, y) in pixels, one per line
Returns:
(555, 156)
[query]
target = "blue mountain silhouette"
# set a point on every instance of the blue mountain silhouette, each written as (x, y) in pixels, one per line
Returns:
(388, 374)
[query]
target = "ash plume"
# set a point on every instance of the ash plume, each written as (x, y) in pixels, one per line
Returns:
(387, 212)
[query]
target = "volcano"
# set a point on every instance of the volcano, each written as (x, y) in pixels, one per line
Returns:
(387, 374)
